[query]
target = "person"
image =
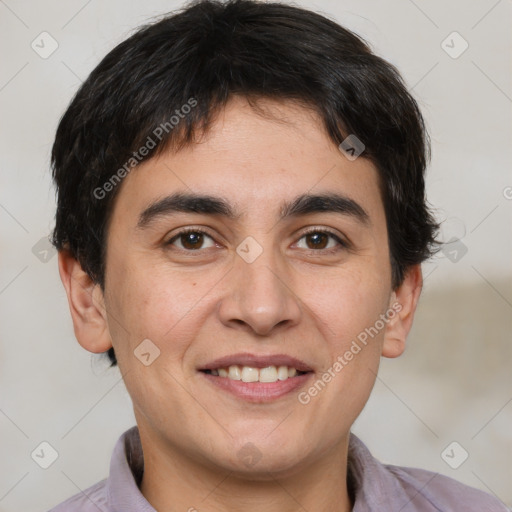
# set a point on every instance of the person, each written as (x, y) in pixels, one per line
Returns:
(241, 222)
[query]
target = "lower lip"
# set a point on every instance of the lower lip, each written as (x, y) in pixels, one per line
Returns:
(259, 391)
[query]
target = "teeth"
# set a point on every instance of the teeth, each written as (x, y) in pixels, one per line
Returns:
(268, 374)
(235, 373)
(282, 372)
(251, 374)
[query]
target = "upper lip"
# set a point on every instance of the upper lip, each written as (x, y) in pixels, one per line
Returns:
(257, 361)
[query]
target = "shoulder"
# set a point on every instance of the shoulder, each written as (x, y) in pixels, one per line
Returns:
(90, 500)
(442, 492)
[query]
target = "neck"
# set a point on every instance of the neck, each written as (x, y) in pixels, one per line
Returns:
(173, 479)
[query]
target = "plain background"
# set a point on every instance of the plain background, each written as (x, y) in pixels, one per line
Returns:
(452, 384)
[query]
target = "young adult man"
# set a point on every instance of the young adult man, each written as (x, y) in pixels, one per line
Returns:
(241, 222)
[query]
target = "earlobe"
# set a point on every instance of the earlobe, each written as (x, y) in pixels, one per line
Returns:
(86, 304)
(403, 302)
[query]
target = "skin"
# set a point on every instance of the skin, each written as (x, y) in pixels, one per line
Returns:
(294, 299)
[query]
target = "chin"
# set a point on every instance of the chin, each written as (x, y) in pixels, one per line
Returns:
(263, 461)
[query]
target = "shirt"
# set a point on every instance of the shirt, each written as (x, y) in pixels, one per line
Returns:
(376, 487)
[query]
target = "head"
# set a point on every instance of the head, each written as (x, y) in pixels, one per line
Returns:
(226, 119)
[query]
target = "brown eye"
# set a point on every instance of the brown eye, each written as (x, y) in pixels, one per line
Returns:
(318, 240)
(322, 240)
(190, 240)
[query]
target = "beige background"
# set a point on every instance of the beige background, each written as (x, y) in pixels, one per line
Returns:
(453, 383)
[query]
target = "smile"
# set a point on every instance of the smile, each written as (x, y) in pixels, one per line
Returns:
(250, 374)
(257, 378)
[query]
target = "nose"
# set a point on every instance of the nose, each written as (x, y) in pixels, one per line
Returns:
(260, 297)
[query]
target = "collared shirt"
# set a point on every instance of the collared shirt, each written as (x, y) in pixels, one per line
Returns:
(376, 487)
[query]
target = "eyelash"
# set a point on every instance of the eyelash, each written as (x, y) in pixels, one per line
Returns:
(342, 243)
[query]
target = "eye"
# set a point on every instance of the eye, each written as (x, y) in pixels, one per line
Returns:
(191, 239)
(318, 240)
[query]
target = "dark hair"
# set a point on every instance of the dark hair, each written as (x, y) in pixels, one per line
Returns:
(202, 56)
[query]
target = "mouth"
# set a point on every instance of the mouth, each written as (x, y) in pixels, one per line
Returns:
(257, 378)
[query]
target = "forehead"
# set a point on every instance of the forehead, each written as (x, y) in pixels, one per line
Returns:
(257, 161)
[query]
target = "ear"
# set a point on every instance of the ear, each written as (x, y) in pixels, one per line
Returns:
(403, 302)
(86, 303)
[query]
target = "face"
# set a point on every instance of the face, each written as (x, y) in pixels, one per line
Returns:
(256, 277)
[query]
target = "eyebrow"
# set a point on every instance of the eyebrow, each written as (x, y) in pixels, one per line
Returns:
(205, 204)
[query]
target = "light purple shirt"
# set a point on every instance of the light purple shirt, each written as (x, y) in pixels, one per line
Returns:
(378, 487)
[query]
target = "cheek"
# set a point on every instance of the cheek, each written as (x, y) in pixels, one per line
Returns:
(163, 308)
(347, 303)
(155, 303)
